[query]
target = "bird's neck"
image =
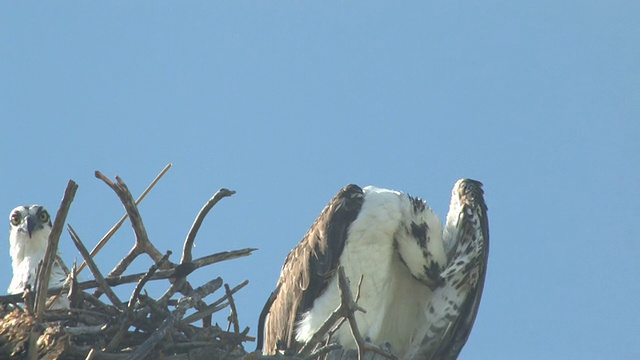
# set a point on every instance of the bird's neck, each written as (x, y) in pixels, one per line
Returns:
(28, 249)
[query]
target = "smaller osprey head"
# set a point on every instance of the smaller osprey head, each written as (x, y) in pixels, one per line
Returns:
(28, 220)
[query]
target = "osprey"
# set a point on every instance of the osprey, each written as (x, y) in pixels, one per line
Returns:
(30, 227)
(421, 286)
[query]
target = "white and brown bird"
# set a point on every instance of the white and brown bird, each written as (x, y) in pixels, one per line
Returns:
(421, 286)
(30, 227)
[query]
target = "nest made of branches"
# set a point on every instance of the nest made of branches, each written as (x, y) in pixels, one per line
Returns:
(139, 327)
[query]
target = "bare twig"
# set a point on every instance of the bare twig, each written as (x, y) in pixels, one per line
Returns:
(102, 307)
(359, 288)
(118, 337)
(183, 305)
(127, 279)
(85, 330)
(54, 299)
(345, 295)
(323, 351)
(176, 286)
(210, 259)
(49, 258)
(342, 311)
(234, 341)
(117, 226)
(62, 265)
(74, 295)
(346, 309)
(225, 335)
(191, 236)
(94, 270)
(92, 354)
(127, 318)
(222, 256)
(157, 311)
(29, 299)
(213, 307)
(84, 314)
(142, 245)
(143, 350)
(52, 247)
(145, 279)
(341, 321)
(233, 317)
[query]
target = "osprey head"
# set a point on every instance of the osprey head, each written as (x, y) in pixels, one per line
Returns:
(27, 220)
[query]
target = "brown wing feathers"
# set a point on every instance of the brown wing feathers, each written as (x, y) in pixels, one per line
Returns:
(307, 270)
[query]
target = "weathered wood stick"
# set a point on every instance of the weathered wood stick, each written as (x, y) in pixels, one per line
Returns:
(95, 271)
(45, 270)
(162, 274)
(117, 226)
(213, 307)
(183, 305)
(191, 236)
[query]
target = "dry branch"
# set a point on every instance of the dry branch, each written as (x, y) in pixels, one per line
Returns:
(45, 271)
(62, 265)
(117, 226)
(191, 236)
(347, 306)
(317, 354)
(159, 275)
(128, 316)
(142, 244)
(215, 306)
(52, 248)
(145, 279)
(347, 309)
(233, 317)
(184, 304)
(94, 270)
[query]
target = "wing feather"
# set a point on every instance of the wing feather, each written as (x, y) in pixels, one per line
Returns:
(308, 269)
(454, 306)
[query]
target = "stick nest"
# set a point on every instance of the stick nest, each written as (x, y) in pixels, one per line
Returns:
(106, 327)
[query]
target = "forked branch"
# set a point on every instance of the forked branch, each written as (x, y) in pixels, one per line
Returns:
(347, 309)
(117, 226)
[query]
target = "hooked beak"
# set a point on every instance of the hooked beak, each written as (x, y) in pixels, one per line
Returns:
(31, 224)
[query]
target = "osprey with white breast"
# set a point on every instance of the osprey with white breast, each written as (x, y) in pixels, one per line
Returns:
(421, 286)
(30, 227)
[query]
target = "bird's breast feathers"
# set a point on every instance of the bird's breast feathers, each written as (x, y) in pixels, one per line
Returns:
(382, 248)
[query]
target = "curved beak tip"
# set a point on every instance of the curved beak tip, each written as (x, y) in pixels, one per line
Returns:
(31, 224)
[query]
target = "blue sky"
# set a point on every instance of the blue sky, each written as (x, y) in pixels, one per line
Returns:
(286, 102)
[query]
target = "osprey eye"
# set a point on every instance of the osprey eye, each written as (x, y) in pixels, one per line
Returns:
(15, 219)
(44, 216)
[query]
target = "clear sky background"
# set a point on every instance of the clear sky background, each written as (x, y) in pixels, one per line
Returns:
(286, 102)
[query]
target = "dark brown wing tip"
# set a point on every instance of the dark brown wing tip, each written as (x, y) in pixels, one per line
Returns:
(470, 190)
(350, 191)
(468, 183)
(346, 196)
